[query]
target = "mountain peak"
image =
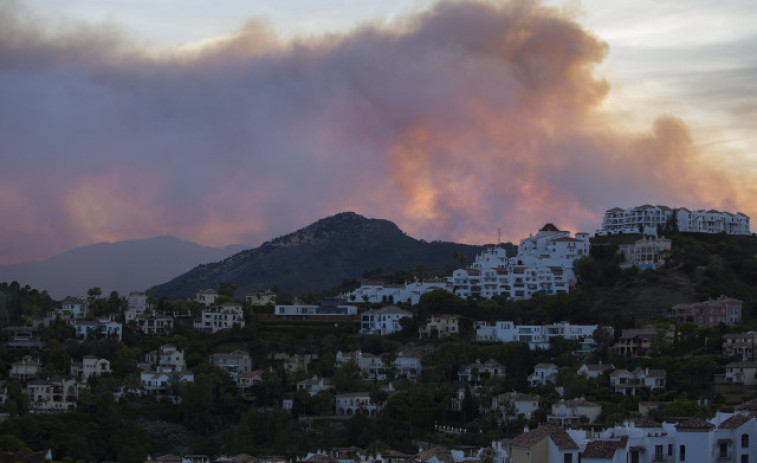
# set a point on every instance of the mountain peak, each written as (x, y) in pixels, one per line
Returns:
(318, 257)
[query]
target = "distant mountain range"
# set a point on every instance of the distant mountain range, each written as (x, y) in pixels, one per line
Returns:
(319, 257)
(123, 266)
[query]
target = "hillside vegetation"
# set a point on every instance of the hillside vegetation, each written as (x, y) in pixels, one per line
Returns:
(700, 267)
(320, 257)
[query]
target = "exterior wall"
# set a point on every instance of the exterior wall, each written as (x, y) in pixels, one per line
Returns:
(557, 455)
(697, 447)
(137, 302)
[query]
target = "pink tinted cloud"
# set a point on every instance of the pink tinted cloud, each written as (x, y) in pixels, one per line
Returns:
(454, 122)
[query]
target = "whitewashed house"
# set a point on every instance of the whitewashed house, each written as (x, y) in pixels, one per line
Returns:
(223, 317)
(383, 321)
(744, 372)
(510, 405)
(234, 363)
(352, 403)
(90, 365)
(543, 373)
(315, 385)
(478, 371)
(569, 412)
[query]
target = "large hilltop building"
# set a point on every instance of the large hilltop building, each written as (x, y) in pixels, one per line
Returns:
(544, 262)
(646, 220)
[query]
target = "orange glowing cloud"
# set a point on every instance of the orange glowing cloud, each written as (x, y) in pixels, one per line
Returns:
(454, 122)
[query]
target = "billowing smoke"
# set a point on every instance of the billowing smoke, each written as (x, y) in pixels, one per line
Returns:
(454, 122)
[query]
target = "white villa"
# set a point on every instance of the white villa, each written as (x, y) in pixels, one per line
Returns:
(568, 412)
(207, 297)
(383, 321)
(646, 253)
(73, 307)
(536, 336)
(352, 403)
(380, 293)
(641, 379)
(234, 363)
(53, 395)
(511, 404)
(163, 367)
(474, 372)
(90, 365)
(101, 328)
(166, 357)
(226, 316)
(543, 373)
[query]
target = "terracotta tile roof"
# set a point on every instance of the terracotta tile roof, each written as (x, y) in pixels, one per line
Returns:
(734, 422)
(601, 449)
(318, 458)
(389, 309)
(544, 366)
(598, 366)
(441, 453)
(694, 425)
(749, 406)
(243, 458)
(646, 422)
(556, 434)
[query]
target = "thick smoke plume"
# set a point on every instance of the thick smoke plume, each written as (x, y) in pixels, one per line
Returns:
(454, 122)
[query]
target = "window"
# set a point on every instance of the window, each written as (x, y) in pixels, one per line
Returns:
(658, 452)
(567, 458)
(745, 441)
(723, 450)
(682, 453)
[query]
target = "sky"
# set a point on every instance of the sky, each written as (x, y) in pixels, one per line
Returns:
(237, 121)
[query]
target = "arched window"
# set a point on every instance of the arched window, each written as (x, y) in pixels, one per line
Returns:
(745, 441)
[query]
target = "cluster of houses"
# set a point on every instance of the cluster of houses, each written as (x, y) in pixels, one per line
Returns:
(544, 262)
(166, 367)
(648, 219)
(726, 438)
